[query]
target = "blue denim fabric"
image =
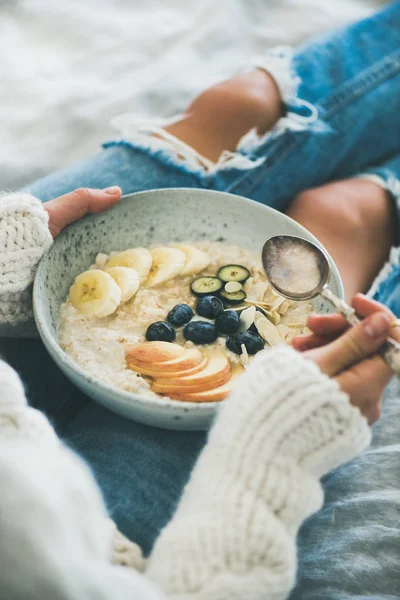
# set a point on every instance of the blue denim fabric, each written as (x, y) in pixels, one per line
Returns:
(351, 549)
(141, 470)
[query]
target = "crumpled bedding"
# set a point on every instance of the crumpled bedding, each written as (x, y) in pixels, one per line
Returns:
(66, 68)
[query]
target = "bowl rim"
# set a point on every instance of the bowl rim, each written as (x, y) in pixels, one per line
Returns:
(64, 361)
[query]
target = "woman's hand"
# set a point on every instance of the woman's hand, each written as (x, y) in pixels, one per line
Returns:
(348, 354)
(71, 207)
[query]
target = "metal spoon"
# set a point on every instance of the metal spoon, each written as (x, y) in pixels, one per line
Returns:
(299, 270)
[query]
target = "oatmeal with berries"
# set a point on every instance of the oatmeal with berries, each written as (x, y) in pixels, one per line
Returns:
(179, 321)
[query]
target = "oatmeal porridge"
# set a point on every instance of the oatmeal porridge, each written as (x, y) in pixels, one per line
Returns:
(179, 321)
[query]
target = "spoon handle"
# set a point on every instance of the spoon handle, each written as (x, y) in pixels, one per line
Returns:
(390, 350)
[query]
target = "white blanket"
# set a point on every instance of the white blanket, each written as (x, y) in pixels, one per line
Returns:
(68, 66)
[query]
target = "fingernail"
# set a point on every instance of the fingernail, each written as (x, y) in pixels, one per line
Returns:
(113, 190)
(377, 324)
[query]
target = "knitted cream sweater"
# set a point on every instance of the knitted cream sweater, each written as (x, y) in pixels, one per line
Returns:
(234, 533)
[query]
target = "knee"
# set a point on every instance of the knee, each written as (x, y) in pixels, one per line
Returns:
(327, 205)
(246, 102)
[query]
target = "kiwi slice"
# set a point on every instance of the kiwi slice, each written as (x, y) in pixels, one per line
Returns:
(206, 286)
(233, 273)
(233, 297)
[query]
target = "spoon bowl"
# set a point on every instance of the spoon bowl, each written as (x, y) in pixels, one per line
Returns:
(299, 270)
(295, 267)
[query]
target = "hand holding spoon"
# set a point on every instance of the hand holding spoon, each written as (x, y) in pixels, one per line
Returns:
(299, 270)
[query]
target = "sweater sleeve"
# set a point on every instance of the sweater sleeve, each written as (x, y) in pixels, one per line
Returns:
(56, 540)
(24, 237)
(234, 532)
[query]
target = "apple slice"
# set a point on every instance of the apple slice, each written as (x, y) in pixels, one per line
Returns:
(215, 374)
(172, 386)
(188, 360)
(167, 375)
(217, 367)
(151, 352)
(212, 395)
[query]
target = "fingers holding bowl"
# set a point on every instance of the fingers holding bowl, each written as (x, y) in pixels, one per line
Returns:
(76, 204)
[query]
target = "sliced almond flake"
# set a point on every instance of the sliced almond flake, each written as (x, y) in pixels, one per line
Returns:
(233, 286)
(244, 357)
(284, 307)
(262, 289)
(276, 318)
(248, 285)
(242, 307)
(268, 331)
(263, 311)
(258, 291)
(269, 295)
(247, 318)
(284, 330)
(263, 305)
(277, 303)
(257, 316)
(255, 302)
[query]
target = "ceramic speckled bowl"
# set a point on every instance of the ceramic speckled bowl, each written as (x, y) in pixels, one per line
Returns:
(159, 216)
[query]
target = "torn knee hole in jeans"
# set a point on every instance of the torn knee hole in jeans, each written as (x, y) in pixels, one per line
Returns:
(300, 116)
(151, 136)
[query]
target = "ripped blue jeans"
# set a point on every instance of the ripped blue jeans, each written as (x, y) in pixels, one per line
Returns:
(342, 98)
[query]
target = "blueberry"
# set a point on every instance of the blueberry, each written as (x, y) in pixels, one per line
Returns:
(180, 315)
(232, 345)
(209, 307)
(160, 332)
(200, 332)
(253, 343)
(228, 322)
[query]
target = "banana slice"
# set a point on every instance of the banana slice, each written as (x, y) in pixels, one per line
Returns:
(95, 293)
(167, 264)
(196, 260)
(135, 258)
(127, 279)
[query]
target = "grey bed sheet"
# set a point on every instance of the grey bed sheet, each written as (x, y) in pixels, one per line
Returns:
(351, 549)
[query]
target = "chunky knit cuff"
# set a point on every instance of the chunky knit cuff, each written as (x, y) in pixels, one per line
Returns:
(285, 407)
(283, 427)
(24, 237)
